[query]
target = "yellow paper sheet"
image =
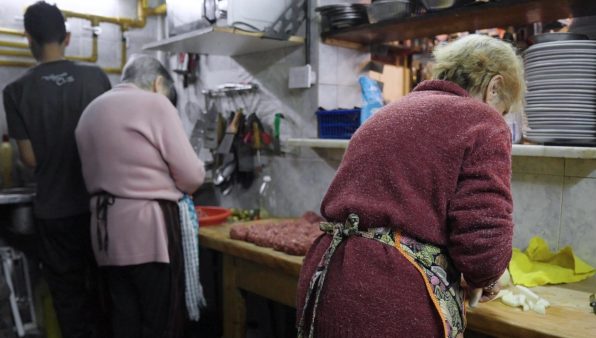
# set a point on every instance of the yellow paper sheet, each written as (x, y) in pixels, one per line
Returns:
(539, 266)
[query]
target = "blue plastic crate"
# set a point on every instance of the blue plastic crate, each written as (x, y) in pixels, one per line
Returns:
(339, 123)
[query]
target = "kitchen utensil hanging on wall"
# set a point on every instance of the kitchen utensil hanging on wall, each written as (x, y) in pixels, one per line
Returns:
(256, 136)
(246, 163)
(187, 67)
(277, 132)
(210, 11)
(226, 144)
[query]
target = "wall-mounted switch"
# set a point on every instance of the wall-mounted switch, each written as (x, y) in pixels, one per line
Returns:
(302, 77)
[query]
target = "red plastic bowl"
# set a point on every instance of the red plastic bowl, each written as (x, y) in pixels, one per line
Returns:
(212, 215)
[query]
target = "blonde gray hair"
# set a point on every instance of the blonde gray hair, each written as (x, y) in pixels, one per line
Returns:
(473, 60)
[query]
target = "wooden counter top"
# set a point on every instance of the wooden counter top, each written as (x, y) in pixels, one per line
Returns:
(218, 239)
(568, 316)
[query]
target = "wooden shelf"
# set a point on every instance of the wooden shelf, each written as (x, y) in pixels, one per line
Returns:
(498, 14)
(518, 149)
(221, 41)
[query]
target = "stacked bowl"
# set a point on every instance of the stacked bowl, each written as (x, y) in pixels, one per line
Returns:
(339, 16)
(561, 98)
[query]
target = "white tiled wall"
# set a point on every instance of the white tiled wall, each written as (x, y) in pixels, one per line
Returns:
(338, 70)
(556, 199)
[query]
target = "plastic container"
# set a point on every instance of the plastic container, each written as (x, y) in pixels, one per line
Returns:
(264, 192)
(372, 97)
(339, 123)
(212, 215)
(515, 122)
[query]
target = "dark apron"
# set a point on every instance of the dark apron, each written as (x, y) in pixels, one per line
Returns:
(171, 215)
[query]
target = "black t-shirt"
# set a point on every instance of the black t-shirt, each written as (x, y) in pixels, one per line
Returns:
(44, 106)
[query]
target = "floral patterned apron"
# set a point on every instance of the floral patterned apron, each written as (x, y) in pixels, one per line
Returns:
(439, 274)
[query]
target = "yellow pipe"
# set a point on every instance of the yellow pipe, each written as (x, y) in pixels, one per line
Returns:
(159, 10)
(92, 58)
(10, 31)
(123, 57)
(94, 53)
(11, 63)
(24, 53)
(27, 53)
(139, 22)
(143, 10)
(12, 44)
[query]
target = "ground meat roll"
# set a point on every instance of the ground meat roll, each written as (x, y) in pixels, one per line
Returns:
(239, 232)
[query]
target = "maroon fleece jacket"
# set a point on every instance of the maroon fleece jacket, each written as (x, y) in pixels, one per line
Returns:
(436, 165)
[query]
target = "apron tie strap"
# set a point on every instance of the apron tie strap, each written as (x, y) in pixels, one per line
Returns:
(339, 231)
(103, 201)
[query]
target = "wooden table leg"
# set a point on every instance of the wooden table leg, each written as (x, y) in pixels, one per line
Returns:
(234, 304)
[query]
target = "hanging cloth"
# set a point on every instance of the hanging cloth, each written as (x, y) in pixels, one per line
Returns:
(189, 226)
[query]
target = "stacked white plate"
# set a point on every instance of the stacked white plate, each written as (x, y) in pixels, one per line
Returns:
(561, 98)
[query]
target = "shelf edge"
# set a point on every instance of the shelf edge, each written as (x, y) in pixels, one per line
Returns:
(529, 150)
(161, 44)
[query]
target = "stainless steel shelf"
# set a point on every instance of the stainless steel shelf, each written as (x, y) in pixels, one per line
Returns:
(222, 41)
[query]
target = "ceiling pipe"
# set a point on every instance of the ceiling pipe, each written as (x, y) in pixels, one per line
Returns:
(12, 63)
(20, 53)
(9, 31)
(123, 57)
(143, 11)
(27, 53)
(12, 44)
(94, 52)
(138, 22)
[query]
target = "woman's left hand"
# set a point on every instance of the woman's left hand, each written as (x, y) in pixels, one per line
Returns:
(490, 292)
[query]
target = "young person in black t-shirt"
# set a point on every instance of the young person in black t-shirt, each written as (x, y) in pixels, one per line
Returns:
(43, 108)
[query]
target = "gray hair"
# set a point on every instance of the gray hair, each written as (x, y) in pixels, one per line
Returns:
(142, 70)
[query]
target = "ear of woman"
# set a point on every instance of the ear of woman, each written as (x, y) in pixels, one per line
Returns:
(492, 97)
(159, 86)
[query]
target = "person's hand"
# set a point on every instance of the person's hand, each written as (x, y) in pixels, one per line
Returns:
(490, 292)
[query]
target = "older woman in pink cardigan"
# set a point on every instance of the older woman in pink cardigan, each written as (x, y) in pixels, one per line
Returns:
(421, 198)
(137, 163)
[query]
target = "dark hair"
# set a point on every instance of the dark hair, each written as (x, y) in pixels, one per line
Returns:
(45, 23)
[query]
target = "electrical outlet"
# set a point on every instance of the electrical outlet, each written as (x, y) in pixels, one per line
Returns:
(301, 77)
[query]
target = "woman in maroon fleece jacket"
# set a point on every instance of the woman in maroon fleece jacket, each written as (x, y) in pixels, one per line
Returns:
(421, 198)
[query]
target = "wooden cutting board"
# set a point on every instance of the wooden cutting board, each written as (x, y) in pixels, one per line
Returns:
(569, 315)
